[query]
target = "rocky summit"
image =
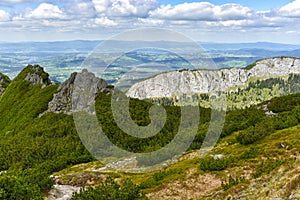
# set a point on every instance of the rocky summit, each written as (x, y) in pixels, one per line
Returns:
(175, 83)
(71, 95)
(36, 75)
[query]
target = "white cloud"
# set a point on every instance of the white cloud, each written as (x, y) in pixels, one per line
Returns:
(125, 8)
(291, 10)
(46, 11)
(103, 21)
(150, 22)
(101, 5)
(80, 9)
(4, 16)
(113, 16)
(202, 11)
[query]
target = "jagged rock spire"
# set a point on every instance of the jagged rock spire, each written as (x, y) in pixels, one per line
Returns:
(64, 100)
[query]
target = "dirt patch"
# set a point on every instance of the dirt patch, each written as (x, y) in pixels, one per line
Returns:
(187, 189)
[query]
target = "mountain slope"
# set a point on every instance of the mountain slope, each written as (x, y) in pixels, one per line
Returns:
(34, 146)
(263, 169)
(31, 148)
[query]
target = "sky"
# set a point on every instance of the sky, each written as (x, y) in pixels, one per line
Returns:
(205, 21)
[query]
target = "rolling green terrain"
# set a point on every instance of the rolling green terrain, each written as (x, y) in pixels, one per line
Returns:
(259, 153)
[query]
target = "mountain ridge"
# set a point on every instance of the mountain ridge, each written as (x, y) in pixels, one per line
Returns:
(196, 82)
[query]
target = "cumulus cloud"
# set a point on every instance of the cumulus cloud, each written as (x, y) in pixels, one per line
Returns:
(80, 9)
(149, 22)
(202, 11)
(102, 22)
(4, 16)
(46, 11)
(291, 10)
(92, 15)
(125, 8)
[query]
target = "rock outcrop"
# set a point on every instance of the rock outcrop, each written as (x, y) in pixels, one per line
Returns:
(4, 82)
(173, 83)
(37, 75)
(69, 96)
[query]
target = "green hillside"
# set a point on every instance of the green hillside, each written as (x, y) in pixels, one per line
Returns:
(31, 148)
(256, 149)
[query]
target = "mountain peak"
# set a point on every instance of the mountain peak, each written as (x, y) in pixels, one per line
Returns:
(35, 74)
(63, 100)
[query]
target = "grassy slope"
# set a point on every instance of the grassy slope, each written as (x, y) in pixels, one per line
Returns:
(50, 143)
(31, 148)
(269, 170)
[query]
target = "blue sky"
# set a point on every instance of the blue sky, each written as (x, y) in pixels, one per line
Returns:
(256, 5)
(206, 21)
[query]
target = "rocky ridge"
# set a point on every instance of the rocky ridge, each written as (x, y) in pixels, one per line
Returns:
(174, 83)
(37, 75)
(70, 97)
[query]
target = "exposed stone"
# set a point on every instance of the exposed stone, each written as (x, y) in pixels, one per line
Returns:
(127, 163)
(76, 93)
(62, 192)
(37, 75)
(173, 83)
(218, 156)
(4, 81)
(269, 113)
(61, 101)
(294, 196)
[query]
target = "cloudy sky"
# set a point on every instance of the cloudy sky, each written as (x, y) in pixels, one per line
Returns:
(205, 21)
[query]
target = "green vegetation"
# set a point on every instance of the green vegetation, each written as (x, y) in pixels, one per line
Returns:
(212, 164)
(159, 177)
(232, 182)
(32, 147)
(254, 92)
(266, 167)
(5, 82)
(257, 132)
(110, 190)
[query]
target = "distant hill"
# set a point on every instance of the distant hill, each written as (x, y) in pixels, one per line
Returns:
(255, 45)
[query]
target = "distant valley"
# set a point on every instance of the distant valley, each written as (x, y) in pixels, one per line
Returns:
(60, 59)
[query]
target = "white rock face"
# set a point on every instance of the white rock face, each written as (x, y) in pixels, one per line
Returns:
(204, 81)
(62, 192)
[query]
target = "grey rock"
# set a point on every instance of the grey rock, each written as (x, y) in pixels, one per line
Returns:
(77, 93)
(269, 113)
(174, 83)
(35, 76)
(218, 156)
(61, 101)
(3, 81)
(294, 196)
(62, 192)
(119, 164)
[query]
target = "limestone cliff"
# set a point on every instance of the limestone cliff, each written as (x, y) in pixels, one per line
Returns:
(174, 83)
